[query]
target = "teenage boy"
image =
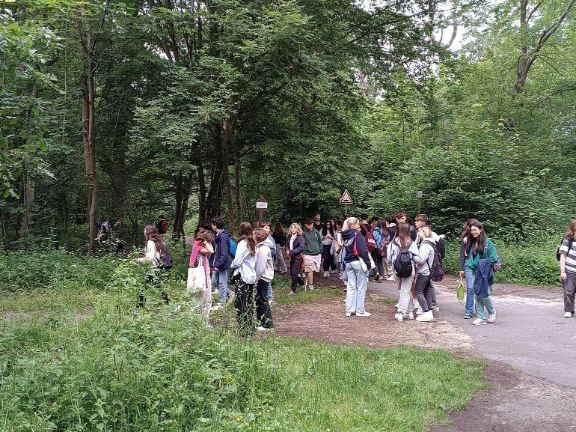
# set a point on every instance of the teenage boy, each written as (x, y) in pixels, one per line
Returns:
(221, 260)
(312, 251)
(402, 218)
(317, 223)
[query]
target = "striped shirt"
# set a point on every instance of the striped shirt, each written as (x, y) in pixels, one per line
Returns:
(570, 255)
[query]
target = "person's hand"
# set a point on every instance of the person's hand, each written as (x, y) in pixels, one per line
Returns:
(563, 276)
(461, 274)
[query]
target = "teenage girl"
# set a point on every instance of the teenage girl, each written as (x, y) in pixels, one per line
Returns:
(201, 251)
(152, 251)
(244, 278)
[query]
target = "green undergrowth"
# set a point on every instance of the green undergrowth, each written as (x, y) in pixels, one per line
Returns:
(161, 368)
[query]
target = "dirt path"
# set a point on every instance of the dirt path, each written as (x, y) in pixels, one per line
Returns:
(531, 372)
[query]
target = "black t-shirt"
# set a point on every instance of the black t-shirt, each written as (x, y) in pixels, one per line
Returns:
(318, 227)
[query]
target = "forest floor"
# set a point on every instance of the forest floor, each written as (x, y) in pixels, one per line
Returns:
(529, 351)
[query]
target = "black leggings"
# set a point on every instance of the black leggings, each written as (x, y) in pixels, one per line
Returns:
(152, 280)
(295, 264)
(327, 259)
(263, 311)
(244, 304)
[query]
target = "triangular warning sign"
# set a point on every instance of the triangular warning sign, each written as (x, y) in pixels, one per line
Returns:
(346, 198)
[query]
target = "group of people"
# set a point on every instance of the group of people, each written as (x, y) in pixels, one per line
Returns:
(358, 249)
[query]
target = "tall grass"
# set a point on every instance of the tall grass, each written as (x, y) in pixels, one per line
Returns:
(121, 369)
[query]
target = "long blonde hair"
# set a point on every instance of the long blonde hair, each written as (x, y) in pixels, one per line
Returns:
(298, 228)
(350, 223)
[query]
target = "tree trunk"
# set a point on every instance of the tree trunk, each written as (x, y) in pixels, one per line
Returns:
(228, 133)
(237, 170)
(182, 196)
(89, 139)
(28, 202)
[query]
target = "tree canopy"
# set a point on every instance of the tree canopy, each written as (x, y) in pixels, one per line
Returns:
(188, 108)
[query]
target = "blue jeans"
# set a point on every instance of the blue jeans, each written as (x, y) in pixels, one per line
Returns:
(220, 278)
(356, 290)
(469, 275)
(484, 302)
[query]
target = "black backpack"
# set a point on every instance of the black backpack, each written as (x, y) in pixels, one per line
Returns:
(403, 263)
(436, 270)
(166, 261)
(441, 247)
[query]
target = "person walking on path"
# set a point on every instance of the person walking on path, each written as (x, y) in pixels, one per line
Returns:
(279, 236)
(312, 252)
(328, 236)
(201, 250)
(152, 253)
(480, 257)
(221, 260)
(568, 268)
(469, 306)
(356, 270)
(403, 248)
(424, 261)
(295, 247)
(244, 278)
(264, 276)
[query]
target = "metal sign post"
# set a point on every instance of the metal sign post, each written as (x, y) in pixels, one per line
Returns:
(261, 205)
(346, 200)
(419, 195)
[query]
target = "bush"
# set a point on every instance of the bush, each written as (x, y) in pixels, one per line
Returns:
(153, 370)
(54, 270)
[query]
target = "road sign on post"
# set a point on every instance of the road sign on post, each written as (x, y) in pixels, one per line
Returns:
(346, 200)
(261, 205)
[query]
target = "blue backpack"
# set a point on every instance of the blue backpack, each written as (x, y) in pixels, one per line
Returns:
(232, 247)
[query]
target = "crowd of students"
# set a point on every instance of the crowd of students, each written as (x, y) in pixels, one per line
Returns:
(357, 249)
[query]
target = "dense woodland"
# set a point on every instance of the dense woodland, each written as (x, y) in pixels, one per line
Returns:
(196, 108)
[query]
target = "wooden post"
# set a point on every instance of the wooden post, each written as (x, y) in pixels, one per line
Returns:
(261, 205)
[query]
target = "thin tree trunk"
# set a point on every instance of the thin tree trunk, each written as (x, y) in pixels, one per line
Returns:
(229, 129)
(89, 139)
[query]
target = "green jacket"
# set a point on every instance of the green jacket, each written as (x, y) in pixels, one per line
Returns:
(312, 242)
(489, 251)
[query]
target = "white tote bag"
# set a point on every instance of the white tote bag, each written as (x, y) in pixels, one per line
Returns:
(196, 281)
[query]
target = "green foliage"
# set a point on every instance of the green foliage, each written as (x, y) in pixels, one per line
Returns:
(54, 271)
(163, 369)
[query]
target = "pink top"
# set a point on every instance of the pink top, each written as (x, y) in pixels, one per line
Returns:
(199, 244)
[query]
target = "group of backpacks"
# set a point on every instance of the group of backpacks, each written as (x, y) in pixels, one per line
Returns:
(403, 264)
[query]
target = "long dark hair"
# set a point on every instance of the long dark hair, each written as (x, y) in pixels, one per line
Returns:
(403, 234)
(325, 228)
(279, 230)
(466, 228)
(476, 243)
(383, 228)
(245, 231)
(151, 233)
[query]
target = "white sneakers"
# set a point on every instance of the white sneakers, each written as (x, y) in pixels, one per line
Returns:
(425, 317)
(478, 321)
(492, 317)
(568, 315)
(400, 317)
(326, 274)
(363, 314)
